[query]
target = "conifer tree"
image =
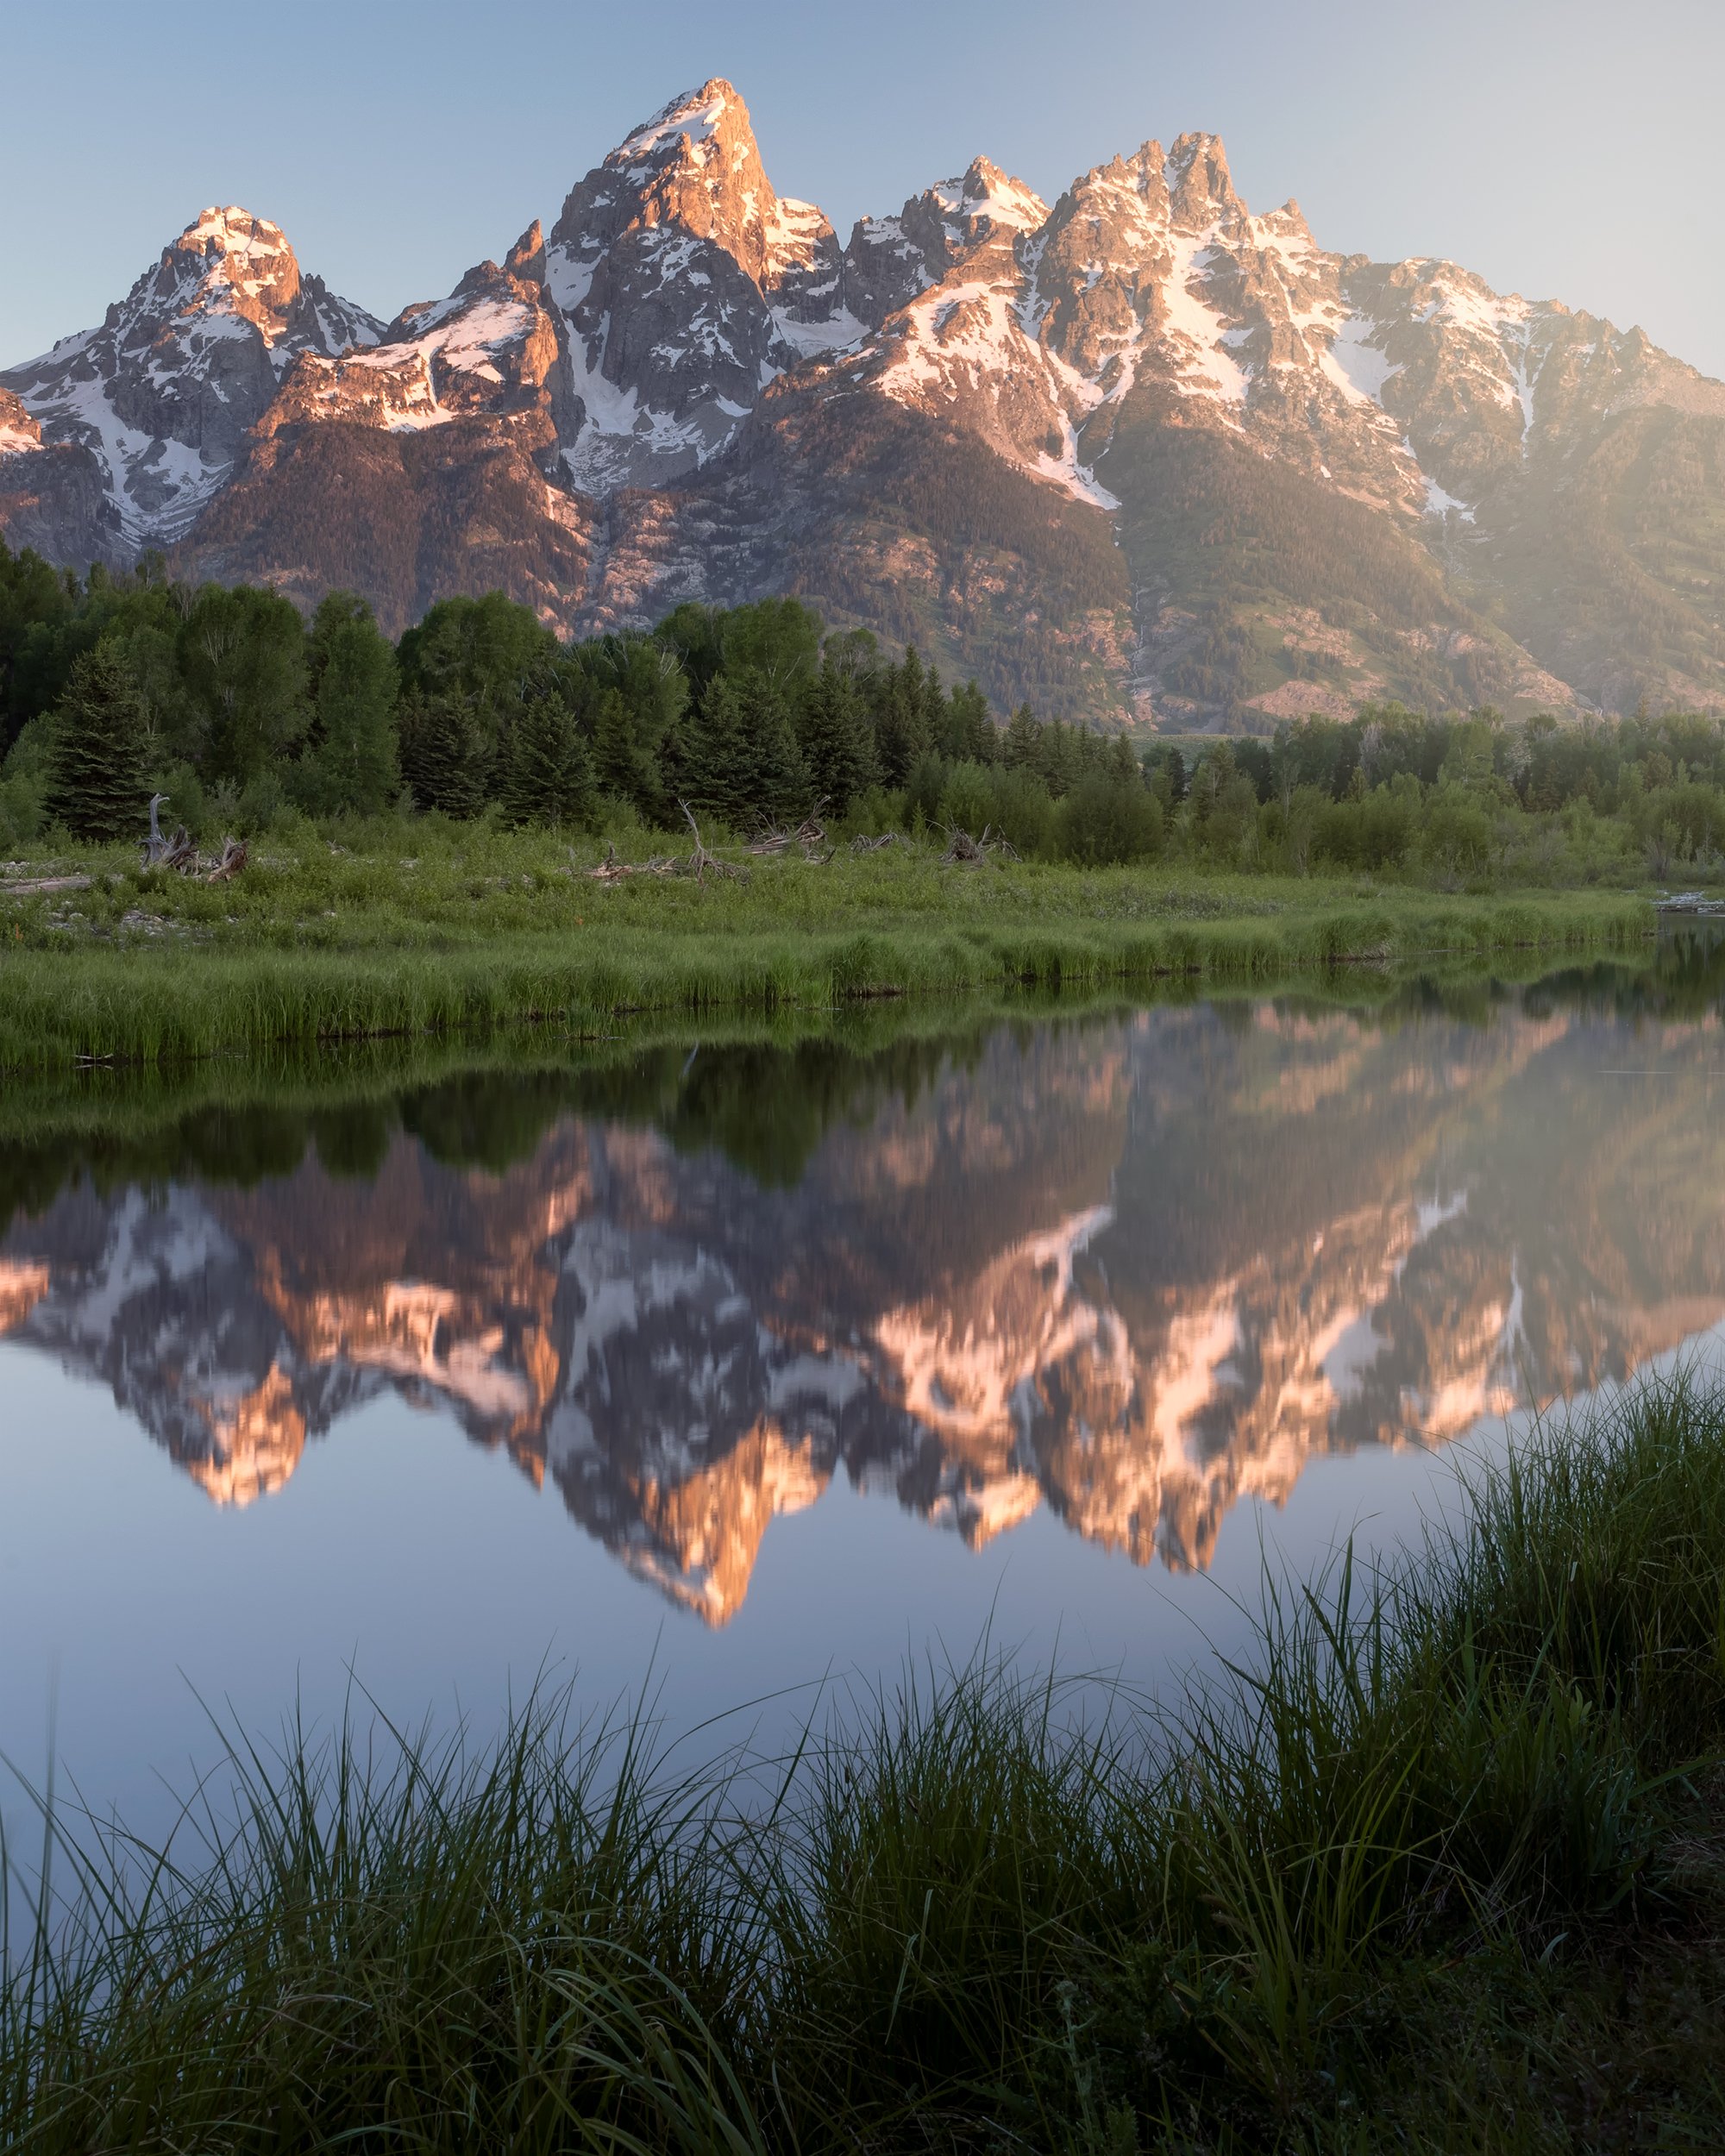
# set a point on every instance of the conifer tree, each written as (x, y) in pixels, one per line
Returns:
(548, 774)
(837, 742)
(622, 763)
(1021, 745)
(968, 734)
(1121, 764)
(1061, 757)
(446, 754)
(902, 733)
(96, 757)
(739, 758)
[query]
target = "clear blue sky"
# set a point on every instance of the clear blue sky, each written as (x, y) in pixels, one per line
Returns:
(1564, 150)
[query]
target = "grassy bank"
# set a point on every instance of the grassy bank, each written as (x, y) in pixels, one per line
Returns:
(1444, 1869)
(481, 930)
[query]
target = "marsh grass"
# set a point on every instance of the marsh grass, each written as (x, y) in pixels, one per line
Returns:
(481, 928)
(1439, 1864)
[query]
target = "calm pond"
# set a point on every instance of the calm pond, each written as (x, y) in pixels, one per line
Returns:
(724, 1369)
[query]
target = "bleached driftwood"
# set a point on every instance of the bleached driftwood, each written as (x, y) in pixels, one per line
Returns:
(176, 852)
(701, 862)
(233, 859)
(966, 852)
(611, 870)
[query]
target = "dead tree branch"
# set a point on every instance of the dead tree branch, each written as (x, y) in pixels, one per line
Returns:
(700, 860)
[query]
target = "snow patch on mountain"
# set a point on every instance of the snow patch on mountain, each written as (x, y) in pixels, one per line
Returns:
(469, 344)
(1197, 330)
(1358, 366)
(617, 429)
(839, 332)
(986, 192)
(1440, 503)
(794, 231)
(1069, 472)
(695, 116)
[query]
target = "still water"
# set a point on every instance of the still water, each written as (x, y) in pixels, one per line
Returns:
(726, 1370)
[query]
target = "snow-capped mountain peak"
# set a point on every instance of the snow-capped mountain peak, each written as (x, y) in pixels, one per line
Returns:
(986, 198)
(163, 393)
(683, 283)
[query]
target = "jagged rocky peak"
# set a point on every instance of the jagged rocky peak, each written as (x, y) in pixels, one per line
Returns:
(229, 250)
(1201, 189)
(987, 200)
(693, 171)
(527, 257)
(228, 266)
(160, 395)
(490, 348)
(890, 261)
(683, 283)
(17, 430)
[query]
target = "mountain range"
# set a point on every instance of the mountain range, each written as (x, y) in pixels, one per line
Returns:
(1141, 455)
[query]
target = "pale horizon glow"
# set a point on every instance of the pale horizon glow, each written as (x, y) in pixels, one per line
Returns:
(1562, 151)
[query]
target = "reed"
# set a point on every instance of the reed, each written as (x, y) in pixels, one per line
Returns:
(1438, 1865)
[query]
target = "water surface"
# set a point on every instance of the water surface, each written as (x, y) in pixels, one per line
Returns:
(726, 1368)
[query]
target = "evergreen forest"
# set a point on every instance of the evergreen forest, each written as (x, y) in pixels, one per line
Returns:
(245, 716)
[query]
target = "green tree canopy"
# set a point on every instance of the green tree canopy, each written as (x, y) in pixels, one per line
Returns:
(353, 763)
(242, 658)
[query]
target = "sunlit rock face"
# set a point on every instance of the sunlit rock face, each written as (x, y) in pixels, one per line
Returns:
(1143, 452)
(1134, 1273)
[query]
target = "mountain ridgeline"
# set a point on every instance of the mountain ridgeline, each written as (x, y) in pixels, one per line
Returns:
(1141, 456)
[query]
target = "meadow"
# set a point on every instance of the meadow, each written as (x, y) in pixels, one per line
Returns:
(428, 926)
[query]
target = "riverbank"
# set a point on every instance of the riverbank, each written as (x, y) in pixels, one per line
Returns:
(1444, 1870)
(483, 930)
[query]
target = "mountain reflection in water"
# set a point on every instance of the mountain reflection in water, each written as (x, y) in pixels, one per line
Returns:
(1132, 1269)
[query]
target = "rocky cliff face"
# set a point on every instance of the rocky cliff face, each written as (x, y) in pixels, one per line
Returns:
(1143, 453)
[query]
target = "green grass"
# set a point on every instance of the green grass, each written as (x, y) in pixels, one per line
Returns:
(478, 929)
(1440, 1867)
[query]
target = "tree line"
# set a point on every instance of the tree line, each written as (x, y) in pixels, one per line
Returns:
(240, 710)
(235, 706)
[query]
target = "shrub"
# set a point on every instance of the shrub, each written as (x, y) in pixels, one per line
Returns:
(1104, 820)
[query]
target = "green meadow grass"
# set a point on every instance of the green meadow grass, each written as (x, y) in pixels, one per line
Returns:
(1440, 1865)
(481, 930)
